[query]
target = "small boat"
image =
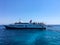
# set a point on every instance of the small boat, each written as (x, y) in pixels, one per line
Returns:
(29, 25)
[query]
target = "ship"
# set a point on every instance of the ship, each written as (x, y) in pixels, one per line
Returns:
(29, 25)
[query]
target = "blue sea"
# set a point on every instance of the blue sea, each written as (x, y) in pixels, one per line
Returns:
(50, 36)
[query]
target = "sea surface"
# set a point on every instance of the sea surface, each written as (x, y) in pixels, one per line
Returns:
(50, 36)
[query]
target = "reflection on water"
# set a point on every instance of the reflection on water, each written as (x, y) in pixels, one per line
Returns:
(29, 37)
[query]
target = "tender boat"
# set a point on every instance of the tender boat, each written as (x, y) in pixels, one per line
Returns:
(29, 25)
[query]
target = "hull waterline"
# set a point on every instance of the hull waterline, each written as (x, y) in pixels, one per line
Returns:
(7, 27)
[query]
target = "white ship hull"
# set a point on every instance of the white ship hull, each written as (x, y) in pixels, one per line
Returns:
(25, 26)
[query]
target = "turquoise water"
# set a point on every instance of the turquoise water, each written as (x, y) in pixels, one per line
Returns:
(50, 36)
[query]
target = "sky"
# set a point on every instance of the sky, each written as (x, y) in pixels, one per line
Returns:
(47, 11)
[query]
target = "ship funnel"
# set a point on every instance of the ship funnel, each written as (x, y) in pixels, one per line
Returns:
(30, 21)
